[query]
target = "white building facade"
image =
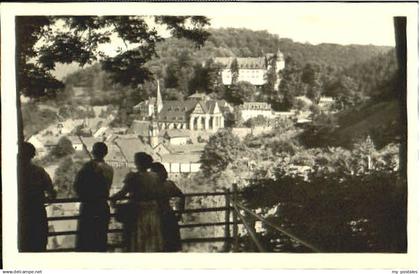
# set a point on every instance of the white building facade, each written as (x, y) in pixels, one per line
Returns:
(254, 109)
(196, 113)
(250, 69)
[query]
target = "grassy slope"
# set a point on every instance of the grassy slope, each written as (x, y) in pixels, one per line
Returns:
(380, 120)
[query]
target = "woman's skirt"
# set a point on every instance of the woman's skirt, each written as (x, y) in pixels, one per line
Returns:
(170, 230)
(145, 234)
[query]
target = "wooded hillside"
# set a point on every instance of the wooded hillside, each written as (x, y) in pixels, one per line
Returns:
(178, 62)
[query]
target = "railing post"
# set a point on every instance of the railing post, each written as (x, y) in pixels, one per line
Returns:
(251, 224)
(226, 247)
(235, 219)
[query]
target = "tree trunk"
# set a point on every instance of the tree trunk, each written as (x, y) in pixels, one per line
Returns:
(400, 24)
(20, 140)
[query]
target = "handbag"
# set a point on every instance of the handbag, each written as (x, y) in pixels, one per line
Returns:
(125, 212)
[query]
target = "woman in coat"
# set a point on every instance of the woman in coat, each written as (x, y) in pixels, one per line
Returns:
(170, 226)
(144, 232)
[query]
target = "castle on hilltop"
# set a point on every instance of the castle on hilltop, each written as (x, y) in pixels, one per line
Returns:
(250, 69)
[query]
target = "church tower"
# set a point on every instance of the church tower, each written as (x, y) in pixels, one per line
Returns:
(154, 128)
(154, 133)
(159, 103)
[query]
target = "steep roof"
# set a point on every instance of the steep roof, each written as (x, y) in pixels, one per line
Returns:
(87, 141)
(121, 130)
(243, 63)
(90, 141)
(130, 146)
(203, 105)
(187, 148)
(92, 123)
(150, 101)
(199, 96)
(73, 139)
(179, 111)
(181, 158)
(101, 132)
(255, 106)
(176, 111)
(211, 105)
(114, 153)
(140, 128)
(174, 133)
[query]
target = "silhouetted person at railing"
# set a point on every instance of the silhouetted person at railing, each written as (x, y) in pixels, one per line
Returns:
(34, 184)
(170, 226)
(92, 185)
(144, 233)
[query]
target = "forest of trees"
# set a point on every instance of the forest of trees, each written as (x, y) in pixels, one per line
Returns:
(247, 43)
(344, 72)
(325, 69)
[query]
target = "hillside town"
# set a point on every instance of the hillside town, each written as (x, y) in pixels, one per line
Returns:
(175, 133)
(224, 137)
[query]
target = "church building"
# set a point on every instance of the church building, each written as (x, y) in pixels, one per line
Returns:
(198, 112)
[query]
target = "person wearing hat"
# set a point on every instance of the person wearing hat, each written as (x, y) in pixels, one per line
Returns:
(34, 184)
(92, 186)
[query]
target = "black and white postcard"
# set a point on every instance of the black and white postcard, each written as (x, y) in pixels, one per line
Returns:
(215, 135)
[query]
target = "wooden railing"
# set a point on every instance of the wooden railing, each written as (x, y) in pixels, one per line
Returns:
(251, 231)
(236, 214)
(226, 238)
(245, 220)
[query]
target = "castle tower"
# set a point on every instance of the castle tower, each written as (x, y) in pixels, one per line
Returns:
(280, 60)
(159, 103)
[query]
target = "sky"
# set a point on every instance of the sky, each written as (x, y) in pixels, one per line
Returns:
(314, 24)
(315, 29)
